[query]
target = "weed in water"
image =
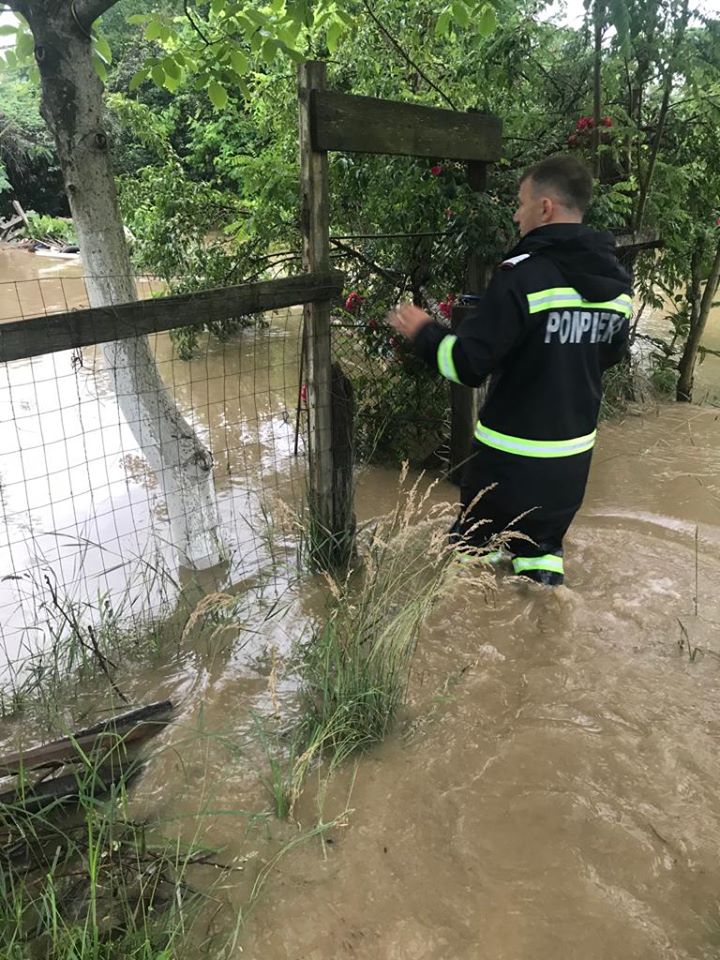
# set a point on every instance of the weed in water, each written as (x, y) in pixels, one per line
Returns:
(353, 670)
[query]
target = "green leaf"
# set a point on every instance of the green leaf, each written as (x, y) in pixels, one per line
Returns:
(487, 20)
(290, 52)
(217, 6)
(153, 30)
(443, 24)
(347, 18)
(239, 62)
(460, 14)
(25, 45)
(137, 18)
(10, 59)
(7, 30)
(217, 94)
(158, 75)
(269, 49)
(171, 68)
(334, 32)
(256, 18)
(99, 67)
(102, 49)
(140, 77)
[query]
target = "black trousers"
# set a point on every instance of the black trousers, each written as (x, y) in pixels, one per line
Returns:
(535, 498)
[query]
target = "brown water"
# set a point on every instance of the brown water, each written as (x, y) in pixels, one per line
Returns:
(552, 790)
(706, 388)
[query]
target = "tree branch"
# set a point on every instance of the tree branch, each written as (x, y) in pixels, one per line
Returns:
(391, 275)
(86, 12)
(386, 33)
(192, 23)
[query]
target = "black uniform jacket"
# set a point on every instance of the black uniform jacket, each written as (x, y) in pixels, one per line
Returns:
(555, 316)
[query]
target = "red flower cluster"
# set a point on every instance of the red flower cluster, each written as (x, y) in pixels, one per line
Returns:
(717, 222)
(446, 305)
(304, 394)
(436, 170)
(587, 123)
(584, 126)
(354, 302)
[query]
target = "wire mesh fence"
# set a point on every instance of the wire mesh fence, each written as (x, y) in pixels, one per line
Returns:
(85, 514)
(90, 517)
(401, 409)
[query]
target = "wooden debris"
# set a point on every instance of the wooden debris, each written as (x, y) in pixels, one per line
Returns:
(94, 758)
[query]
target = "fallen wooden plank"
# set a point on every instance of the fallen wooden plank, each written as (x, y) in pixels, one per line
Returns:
(99, 740)
(21, 213)
(66, 789)
(36, 336)
(341, 121)
(7, 226)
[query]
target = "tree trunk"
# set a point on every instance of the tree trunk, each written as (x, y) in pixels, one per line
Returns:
(72, 106)
(699, 317)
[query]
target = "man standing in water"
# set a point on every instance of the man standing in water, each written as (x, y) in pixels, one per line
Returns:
(555, 317)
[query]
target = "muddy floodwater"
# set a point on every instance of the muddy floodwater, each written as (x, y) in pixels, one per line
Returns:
(552, 789)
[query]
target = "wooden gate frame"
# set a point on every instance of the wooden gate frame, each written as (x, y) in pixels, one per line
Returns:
(329, 120)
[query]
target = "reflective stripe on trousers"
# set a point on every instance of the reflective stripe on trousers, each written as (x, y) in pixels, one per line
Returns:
(551, 562)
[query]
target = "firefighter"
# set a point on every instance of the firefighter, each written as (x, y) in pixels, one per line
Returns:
(555, 316)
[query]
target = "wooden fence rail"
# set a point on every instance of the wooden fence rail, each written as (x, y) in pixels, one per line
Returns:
(49, 333)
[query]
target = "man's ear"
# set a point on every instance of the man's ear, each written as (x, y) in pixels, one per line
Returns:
(547, 208)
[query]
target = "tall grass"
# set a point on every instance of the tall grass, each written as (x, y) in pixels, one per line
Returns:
(89, 883)
(354, 668)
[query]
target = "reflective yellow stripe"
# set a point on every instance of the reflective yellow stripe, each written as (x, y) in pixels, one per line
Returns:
(533, 448)
(549, 562)
(445, 362)
(559, 298)
(472, 556)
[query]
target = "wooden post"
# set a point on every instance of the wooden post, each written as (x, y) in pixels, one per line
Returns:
(464, 400)
(315, 221)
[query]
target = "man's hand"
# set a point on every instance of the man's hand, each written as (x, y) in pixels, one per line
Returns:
(408, 319)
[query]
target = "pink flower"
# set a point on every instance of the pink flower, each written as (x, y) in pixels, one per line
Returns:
(585, 123)
(606, 122)
(353, 302)
(372, 325)
(394, 343)
(436, 170)
(717, 222)
(303, 394)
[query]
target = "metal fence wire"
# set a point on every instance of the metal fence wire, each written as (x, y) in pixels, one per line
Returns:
(85, 520)
(401, 408)
(84, 517)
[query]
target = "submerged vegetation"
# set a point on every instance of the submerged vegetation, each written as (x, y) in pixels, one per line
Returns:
(88, 879)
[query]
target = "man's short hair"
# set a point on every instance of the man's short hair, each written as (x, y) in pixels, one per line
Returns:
(566, 176)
